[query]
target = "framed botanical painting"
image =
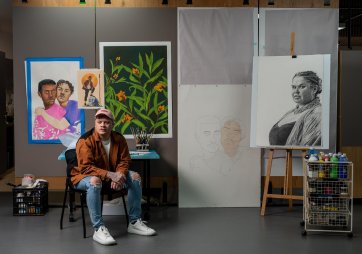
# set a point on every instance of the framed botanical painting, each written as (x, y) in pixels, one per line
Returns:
(51, 87)
(290, 101)
(137, 80)
(90, 88)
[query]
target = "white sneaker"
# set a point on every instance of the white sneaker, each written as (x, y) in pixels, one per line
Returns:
(103, 236)
(140, 228)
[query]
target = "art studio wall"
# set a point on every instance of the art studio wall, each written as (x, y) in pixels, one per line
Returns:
(76, 32)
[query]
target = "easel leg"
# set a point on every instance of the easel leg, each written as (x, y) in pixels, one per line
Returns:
(290, 176)
(266, 184)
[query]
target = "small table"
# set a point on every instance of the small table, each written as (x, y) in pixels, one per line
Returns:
(145, 157)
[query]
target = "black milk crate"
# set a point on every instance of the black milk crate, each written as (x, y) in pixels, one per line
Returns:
(30, 201)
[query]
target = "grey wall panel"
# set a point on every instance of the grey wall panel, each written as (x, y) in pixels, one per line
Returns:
(351, 91)
(45, 32)
(146, 24)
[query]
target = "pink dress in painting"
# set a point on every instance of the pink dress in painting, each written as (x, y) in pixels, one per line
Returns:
(43, 130)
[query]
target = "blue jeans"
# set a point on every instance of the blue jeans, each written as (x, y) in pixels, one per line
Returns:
(94, 200)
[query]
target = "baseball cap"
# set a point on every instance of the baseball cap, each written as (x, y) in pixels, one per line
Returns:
(105, 112)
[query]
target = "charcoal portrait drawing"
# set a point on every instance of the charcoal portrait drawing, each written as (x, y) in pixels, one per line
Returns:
(291, 101)
(301, 126)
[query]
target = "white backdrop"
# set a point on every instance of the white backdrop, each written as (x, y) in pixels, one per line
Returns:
(216, 166)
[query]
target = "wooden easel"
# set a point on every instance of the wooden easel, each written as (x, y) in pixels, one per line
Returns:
(288, 177)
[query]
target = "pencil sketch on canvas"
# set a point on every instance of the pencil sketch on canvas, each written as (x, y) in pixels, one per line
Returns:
(217, 168)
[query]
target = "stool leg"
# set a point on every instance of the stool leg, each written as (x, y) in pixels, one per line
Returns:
(125, 210)
(82, 198)
(63, 207)
(71, 205)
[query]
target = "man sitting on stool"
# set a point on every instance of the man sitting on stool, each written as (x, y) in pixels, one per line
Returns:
(103, 156)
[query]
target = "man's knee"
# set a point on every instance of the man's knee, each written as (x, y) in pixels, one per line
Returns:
(135, 176)
(95, 181)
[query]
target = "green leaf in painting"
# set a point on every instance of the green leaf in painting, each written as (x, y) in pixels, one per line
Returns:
(125, 126)
(143, 116)
(140, 60)
(118, 68)
(161, 102)
(133, 79)
(112, 68)
(154, 77)
(163, 129)
(164, 115)
(155, 100)
(118, 109)
(148, 62)
(164, 92)
(124, 108)
(148, 100)
(151, 58)
(159, 124)
(137, 99)
(129, 70)
(157, 64)
(138, 123)
(151, 111)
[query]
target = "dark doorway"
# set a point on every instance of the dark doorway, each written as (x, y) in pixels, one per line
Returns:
(6, 114)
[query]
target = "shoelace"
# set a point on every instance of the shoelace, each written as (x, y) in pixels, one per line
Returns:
(105, 231)
(143, 223)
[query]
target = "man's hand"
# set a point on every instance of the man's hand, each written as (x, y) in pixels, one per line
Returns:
(116, 186)
(117, 177)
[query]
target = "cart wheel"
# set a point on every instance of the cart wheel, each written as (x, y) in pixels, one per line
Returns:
(350, 235)
(304, 233)
(302, 223)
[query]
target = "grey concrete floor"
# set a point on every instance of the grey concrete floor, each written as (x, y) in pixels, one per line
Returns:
(180, 231)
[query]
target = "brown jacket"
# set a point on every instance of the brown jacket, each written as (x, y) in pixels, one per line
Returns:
(92, 157)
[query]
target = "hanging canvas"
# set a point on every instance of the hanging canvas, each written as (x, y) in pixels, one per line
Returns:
(215, 45)
(51, 86)
(217, 168)
(90, 88)
(290, 103)
(137, 78)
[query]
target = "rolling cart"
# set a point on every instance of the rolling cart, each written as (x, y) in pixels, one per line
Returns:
(328, 193)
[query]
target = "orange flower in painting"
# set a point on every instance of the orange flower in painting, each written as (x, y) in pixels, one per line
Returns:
(115, 76)
(161, 108)
(121, 96)
(136, 71)
(159, 87)
(118, 58)
(127, 118)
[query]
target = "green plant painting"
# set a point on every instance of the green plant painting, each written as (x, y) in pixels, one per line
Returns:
(137, 87)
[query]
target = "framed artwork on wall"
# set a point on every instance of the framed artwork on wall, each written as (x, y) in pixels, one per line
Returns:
(290, 101)
(51, 88)
(137, 80)
(90, 88)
